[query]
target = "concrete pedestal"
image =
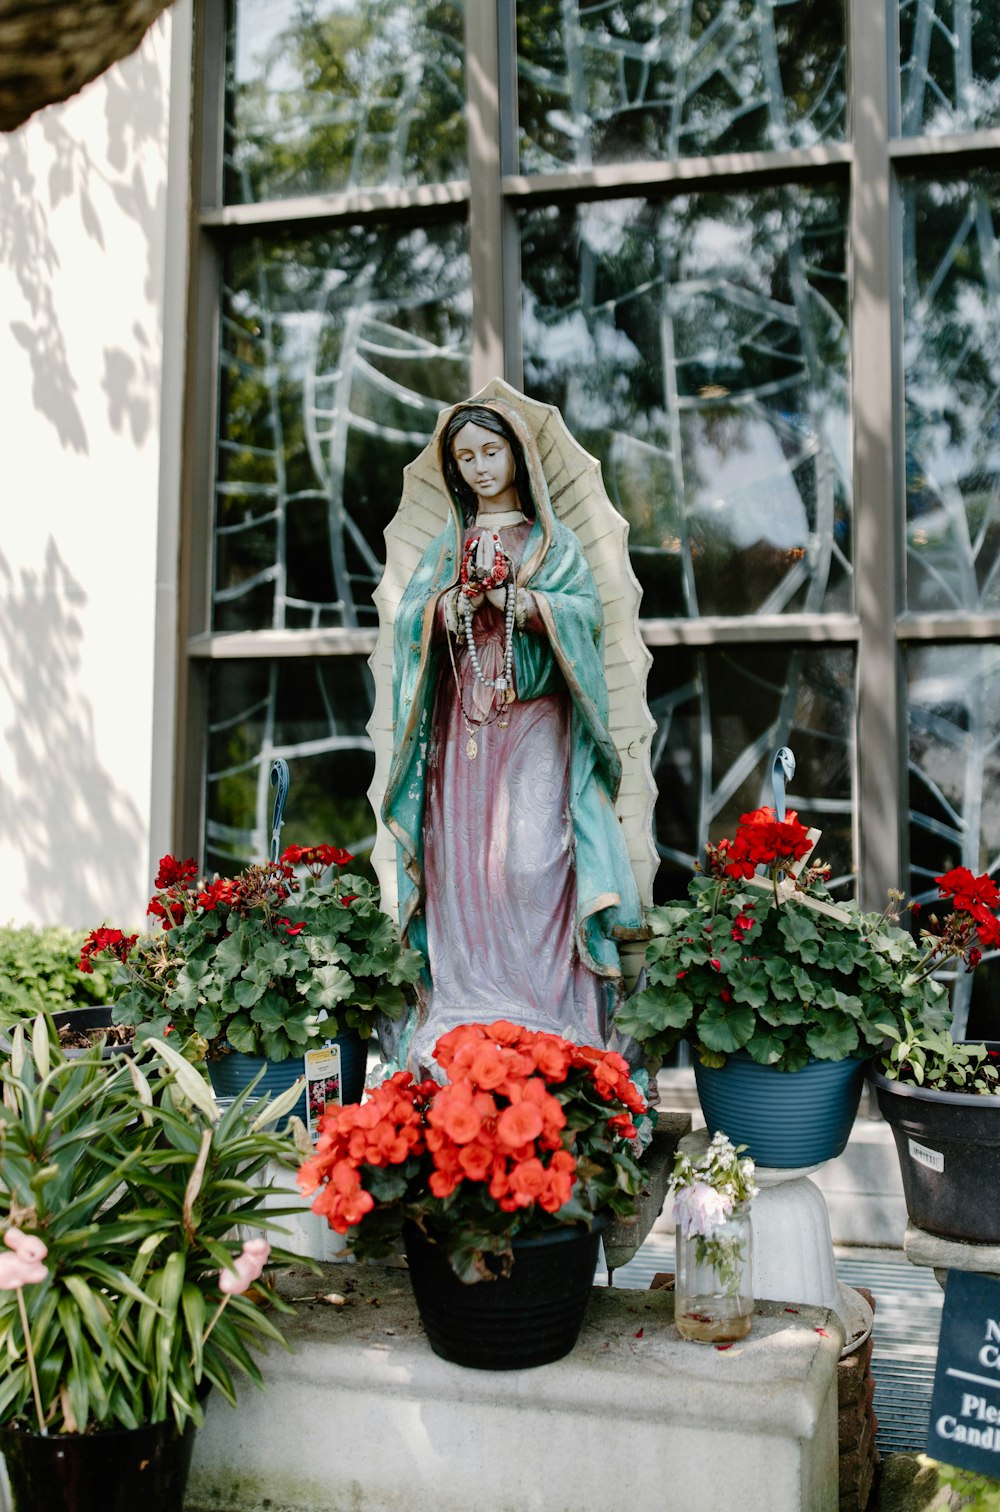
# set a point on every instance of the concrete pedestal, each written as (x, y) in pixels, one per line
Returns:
(944, 1255)
(792, 1248)
(361, 1415)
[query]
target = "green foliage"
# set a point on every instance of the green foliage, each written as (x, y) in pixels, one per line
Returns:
(267, 963)
(735, 968)
(929, 1057)
(38, 972)
(134, 1182)
(979, 1493)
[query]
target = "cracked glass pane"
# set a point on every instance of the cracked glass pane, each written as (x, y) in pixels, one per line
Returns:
(720, 716)
(313, 714)
(615, 81)
(949, 52)
(954, 765)
(698, 346)
(338, 351)
(323, 95)
(952, 372)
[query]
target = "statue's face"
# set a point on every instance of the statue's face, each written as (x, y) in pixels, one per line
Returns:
(487, 464)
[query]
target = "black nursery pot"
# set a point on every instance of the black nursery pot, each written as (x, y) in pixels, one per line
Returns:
(531, 1317)
(87, 1020)
(127, 1470)
(948, 1145)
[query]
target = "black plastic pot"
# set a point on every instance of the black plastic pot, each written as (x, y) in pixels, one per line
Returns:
(86, 1020)
(948, 1145)
(128, 1470)
(531, 1317)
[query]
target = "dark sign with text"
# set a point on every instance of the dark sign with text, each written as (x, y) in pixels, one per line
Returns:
(965, 1411)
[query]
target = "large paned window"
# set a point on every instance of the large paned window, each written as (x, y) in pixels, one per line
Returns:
(749, 248)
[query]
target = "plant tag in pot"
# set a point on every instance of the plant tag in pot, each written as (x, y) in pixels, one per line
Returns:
(323, 1082)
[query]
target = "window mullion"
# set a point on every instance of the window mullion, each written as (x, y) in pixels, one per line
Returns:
(486, 229)
(876, 440)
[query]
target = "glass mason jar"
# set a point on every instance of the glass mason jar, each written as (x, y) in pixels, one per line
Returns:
(714, 1285)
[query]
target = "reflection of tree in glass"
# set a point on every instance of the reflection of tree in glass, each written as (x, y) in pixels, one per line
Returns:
(952, 351)
(949, 65)
(338, 352)
(698, 347)
(341, 98)
(954, 761)
(720, 715)
(616, 82)
(311, 712)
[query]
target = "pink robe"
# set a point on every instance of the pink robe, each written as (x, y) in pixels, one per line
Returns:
(498, 854)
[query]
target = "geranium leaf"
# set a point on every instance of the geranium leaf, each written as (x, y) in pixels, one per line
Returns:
(207, 1021)
(779, 972)
(778, 1011)
(834, 1039)
(328, 986)
(229, 955)
(241, 1034)
(248, 992)
(750, 983)
(766, 1049)
(726, 1026)
(271, 1012)
(837, 955)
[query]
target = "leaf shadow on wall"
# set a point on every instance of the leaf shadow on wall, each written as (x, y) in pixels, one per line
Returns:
(35, 245)
(80, 838)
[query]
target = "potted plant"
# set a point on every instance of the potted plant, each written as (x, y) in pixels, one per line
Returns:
(782, 993)
(286, 956)
(496, 1180)
(123, 1291)
(941, 1098)
(38, 974)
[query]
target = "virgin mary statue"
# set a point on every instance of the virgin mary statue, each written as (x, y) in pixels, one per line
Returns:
(512, 868)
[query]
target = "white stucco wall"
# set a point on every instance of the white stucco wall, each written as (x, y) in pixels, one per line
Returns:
(83, 218)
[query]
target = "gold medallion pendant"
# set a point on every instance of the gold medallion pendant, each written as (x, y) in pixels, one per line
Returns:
(471, 749)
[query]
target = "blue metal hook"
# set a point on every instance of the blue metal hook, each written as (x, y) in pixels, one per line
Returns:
(782, 771)
(279, 779)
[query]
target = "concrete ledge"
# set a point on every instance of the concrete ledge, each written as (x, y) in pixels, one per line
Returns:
(361, 1415)
(623, 1237)
(922, 1248)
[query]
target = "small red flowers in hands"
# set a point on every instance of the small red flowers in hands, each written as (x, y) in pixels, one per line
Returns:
(472, 585)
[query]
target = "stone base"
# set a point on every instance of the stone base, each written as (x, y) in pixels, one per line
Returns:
(362, 1415)
(857, 1424)
(623, 1237)
(944, 1255)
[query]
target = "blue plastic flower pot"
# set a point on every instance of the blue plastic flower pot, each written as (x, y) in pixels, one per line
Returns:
(231, 1073)
(785, 1118)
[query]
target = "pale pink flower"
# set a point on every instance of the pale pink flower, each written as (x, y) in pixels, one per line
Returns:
(15, 1272)
(27, 1246)
(247, 1267)
(699, 1209)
